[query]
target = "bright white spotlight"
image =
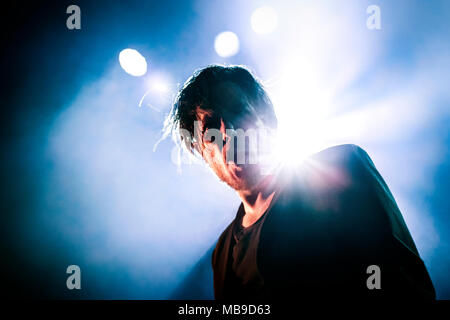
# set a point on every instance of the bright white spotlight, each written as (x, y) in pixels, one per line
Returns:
(133, 62)
(159, 84)
(302, 107)
(264, 20)
(226, 44)
(159, 91)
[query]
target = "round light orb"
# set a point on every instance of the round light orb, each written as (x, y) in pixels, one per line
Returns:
(226, 44)
(264, 20)
(159, 83)
(133, 62)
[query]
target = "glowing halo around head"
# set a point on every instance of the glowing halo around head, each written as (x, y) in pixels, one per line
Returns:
(226, 44)
(264, 20)
(303, 107)
(133, 62)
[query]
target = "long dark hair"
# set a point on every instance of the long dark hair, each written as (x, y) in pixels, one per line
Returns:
(231, 93)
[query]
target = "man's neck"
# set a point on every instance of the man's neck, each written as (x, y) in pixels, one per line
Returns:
(256, 201)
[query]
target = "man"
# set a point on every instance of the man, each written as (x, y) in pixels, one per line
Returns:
(329, 228)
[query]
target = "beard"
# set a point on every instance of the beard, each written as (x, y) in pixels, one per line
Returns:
(239, 177)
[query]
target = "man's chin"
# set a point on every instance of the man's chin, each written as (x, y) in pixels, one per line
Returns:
(244, 179)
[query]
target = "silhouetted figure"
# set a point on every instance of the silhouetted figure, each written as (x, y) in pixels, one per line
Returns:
(328, 228)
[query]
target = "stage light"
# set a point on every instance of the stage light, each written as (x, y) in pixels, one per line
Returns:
(226, 44)
(302, 107)
(159, 92)
(159, 84)
(264, 20)
(133, 62)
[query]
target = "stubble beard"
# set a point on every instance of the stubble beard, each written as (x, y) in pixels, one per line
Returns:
(246, 179)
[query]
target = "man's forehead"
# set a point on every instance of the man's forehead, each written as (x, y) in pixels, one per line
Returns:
(207, 119)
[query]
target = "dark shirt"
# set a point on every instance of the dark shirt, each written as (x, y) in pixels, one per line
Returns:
(333, 217)
(244, 271)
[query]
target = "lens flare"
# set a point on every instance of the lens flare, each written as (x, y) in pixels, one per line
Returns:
(133, 62)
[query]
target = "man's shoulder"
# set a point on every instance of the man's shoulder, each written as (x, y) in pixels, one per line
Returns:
(340, 153)
(222, 241)
(341, 160)
(339, 168)
(225, 233)
(332, 162)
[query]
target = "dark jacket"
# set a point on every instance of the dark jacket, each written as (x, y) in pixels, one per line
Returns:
(334, 217)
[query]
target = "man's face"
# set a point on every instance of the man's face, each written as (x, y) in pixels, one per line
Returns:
(238, 176)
